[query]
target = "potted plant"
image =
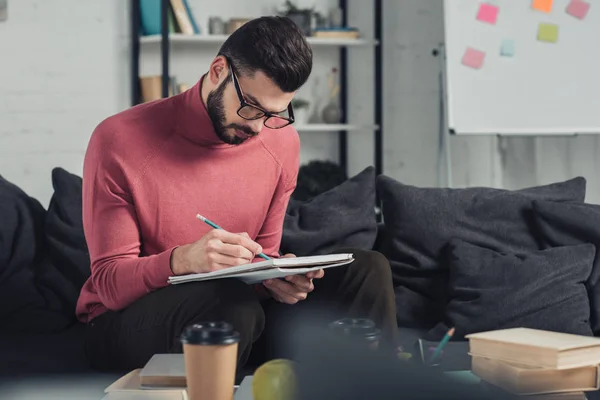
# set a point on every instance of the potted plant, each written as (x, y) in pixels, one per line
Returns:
(300, 107)
(301, 16)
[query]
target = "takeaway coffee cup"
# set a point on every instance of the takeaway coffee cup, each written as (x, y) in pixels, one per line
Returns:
(362, 329)
(210, 353)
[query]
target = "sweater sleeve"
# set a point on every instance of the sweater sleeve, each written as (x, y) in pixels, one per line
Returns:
(271, 232)
(118, 273)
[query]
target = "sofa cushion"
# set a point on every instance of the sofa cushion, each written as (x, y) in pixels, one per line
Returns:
(44, 353)
(563, 224)
(340, 217)
(491, 290)
(29, 300)
(67, 247)
(421, 221)
(317, 177)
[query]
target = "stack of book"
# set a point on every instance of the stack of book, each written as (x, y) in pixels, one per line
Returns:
(535, 363)
(162, 378)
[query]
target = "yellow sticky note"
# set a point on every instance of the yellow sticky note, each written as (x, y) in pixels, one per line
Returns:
(542, 5)
(548, 32)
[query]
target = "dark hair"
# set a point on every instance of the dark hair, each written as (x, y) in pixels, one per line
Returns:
(274, 45)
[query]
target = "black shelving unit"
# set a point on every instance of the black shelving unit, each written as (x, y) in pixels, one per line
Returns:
(342, 135)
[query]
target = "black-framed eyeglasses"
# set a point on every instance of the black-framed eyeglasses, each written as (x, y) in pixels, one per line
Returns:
(251, 112)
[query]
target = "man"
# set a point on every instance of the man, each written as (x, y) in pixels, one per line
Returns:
(225, 149)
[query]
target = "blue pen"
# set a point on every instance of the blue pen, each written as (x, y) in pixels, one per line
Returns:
(209, 222)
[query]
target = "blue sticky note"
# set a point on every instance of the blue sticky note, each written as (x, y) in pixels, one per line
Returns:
(508, 48)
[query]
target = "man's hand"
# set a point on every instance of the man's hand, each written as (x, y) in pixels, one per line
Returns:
(292, 288)
(216, 250)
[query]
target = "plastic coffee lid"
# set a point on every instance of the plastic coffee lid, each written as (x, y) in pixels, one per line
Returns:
(210, 333)
(357, 327)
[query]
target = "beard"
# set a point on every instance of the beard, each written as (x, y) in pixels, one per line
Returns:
(216, 112)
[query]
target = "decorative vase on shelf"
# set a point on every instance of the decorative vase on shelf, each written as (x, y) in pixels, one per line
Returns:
(331, 114)
(301, 107)
(301, 115)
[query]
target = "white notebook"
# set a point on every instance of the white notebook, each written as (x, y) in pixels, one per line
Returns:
(270, 269)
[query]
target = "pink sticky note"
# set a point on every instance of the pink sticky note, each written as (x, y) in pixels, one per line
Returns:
(578, 8)
(473, 58)
(487, 13)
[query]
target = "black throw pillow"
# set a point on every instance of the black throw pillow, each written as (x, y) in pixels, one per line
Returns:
(27, 305)
(316, 177)
(491, 290)
(563, 224)
(420, 222)
(340, 217)
(67, 246)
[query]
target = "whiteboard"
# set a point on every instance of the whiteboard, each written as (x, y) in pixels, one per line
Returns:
(544, 88)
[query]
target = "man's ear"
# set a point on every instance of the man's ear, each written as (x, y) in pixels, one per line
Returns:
(218, 70)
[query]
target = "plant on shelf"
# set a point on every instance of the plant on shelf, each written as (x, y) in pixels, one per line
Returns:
(301, 16)
(291, 8)
(300, 103)
(300, 110)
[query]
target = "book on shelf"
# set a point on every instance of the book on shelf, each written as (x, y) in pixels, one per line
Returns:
(151, 87)
(180, 17)
(183, 16)
(336, 33)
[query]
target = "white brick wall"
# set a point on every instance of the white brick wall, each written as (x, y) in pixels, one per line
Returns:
(63, 68)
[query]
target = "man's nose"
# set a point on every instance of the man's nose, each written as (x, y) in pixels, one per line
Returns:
(256, 125)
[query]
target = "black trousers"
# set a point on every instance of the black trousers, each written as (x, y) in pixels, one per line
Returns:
(126, 339)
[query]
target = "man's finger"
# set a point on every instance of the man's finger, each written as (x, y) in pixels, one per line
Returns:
(301, 282)
(241, 240)
(234, 250)
(216, 266)
(316, 274)
(228, 260)
(283, 287)
(278, 294)
(285, 298)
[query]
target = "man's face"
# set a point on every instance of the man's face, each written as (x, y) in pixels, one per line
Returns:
(223, 103)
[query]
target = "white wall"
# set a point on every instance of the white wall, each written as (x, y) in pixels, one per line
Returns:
(413, 29)
(61, 72)
(66, 68)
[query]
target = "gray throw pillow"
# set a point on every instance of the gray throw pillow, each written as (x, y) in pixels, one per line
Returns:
(563, 224)
(343, 216)
(541, 290)
(421, 221)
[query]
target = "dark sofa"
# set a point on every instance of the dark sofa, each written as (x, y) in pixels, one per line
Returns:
(472, 258)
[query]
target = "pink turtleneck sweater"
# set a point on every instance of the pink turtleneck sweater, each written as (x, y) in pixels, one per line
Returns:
(149, 170)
